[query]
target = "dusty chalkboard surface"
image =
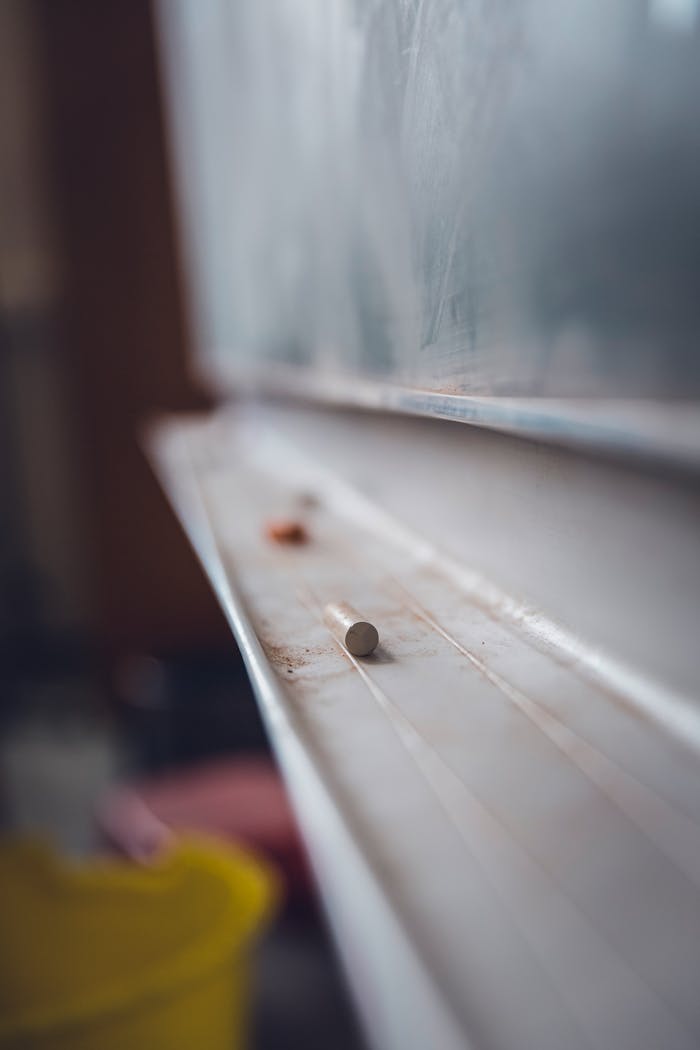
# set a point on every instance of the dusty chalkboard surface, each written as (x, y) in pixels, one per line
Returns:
(457, 196)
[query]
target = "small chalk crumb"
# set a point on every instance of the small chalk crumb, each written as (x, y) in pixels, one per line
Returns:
(286, 530)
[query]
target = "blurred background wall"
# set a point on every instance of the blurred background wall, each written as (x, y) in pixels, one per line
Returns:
(93, 342)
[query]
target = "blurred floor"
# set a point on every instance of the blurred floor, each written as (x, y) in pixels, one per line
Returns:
(301, 1000)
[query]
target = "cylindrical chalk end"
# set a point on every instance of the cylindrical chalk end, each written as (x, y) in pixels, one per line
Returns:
(359, 637)
(362, 638)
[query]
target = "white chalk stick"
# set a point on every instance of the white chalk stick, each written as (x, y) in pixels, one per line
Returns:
(359, 637)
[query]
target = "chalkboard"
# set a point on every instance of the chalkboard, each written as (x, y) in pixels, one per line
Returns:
(466, 197)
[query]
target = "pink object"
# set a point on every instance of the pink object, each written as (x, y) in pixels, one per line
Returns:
(242, 800)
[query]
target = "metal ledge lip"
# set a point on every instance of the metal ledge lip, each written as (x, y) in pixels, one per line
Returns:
(660, 432)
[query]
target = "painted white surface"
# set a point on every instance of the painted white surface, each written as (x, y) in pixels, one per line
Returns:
(504, 796)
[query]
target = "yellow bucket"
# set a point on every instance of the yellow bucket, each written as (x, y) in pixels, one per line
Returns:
(108, 955)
